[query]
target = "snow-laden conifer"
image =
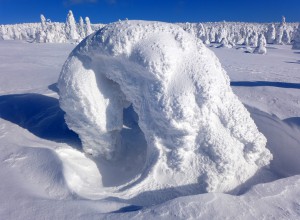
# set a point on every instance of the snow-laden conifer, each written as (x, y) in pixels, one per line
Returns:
(296, 43)
(261, 47)
(81, 30)
(271, 34)
(88, 26)
(71, 32)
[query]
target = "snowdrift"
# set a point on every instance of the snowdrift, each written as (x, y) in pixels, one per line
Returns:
(192, 134)
(277, 200)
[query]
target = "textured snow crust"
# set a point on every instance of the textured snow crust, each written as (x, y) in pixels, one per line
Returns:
(198, 134)
(277, 200)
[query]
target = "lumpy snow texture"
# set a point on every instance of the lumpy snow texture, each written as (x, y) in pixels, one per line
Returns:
(198, 134)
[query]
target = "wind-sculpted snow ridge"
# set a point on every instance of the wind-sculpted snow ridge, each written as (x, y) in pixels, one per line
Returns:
(199, 136)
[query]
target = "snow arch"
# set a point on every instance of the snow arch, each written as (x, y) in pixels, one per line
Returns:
(198, 133)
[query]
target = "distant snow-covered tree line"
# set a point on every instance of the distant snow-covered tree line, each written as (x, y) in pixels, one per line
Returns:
(50, 32)
(228, 34)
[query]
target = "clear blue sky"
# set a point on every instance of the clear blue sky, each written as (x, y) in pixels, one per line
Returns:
(105, 11)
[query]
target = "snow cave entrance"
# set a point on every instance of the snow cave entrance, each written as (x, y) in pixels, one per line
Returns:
(129, 158)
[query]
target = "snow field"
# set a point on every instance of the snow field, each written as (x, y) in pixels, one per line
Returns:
(40, 173)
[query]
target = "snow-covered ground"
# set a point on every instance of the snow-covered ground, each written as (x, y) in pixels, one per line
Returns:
(45, 175)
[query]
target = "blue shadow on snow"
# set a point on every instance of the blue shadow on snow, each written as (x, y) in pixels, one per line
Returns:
(130, 208)
(266, 83)
(40, 115)
(293, 62)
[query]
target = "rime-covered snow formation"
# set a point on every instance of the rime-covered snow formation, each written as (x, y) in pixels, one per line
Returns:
(199, 135)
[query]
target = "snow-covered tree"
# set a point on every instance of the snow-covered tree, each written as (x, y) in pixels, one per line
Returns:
(41, 35)
(173, 152)
(283, 22)
(200, 32)
(279, 34)
(243, 32)
(246, 41)
(280, 31)
(261, 47)
(50, 34)
(296, 42)
(253, 39)
(206, 39)
(88, 26)
(286, 39)
(59, 33)
(17, 33)
(188, 27)
(43, 22)
(10, 34)
(2, 32)
(81, 30)
(271, 34)
(212, 34)
(224, 44)
(222, 33)
(71, 32)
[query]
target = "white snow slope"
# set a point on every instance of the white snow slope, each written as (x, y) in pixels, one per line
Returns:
(45, 175)
(199, 136)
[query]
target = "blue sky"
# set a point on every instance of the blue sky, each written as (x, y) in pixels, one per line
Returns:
(105, 11)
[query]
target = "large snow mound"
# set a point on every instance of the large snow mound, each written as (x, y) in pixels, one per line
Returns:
(199, 136)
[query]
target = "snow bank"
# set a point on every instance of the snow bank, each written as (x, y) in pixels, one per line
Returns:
(198, 134)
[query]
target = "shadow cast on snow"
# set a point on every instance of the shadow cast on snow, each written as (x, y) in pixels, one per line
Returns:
(293, 122)
(39, 114)
(293, 62)
(53, 87)
(266, 83)
(155, 197)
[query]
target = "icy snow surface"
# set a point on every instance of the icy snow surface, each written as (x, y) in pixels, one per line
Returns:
(45, 175)
(199, 136)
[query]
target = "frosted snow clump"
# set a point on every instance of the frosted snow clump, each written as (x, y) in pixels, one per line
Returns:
(199, 135)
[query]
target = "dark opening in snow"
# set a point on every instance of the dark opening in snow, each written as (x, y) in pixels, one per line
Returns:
(130, 160)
